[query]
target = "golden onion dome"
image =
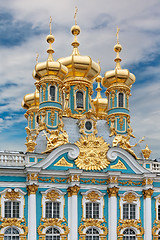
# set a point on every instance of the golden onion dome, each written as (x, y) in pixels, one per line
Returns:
(118, 75)
(79, 66)
(30, 100)
(50, 67)
(100, 103)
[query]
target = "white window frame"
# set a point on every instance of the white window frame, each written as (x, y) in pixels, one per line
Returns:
(61, 200)
(52, 203)
(21, 201)
(75, 100)
(157, 203)
(11, 208)
(130, 235)
(11, 235)
(100, 201)
(54, 235)
(136, 202)
(92, 235)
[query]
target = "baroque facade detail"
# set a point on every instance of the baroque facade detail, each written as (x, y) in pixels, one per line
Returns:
(32, 189)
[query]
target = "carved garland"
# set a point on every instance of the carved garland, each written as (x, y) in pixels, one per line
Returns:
(12, 195)
(156, 227)
(93, 196)
(52, 195)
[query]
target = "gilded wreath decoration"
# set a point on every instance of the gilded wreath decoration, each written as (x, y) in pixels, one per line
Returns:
(52, 195)
(93, 196)
(92, 154)
(12, 195)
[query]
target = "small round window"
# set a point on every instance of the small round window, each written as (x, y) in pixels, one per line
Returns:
(88, 125)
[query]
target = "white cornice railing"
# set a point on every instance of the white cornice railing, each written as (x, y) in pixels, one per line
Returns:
(12, 159)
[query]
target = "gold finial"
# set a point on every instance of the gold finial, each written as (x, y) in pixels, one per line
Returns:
(117, 35)
(50, 25)
(37, 55)
(75, 15)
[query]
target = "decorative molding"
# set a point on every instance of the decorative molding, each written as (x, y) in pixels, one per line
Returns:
(147, 182)
(130, 197)
(119, 165)
(63, 163)
(148, 193)
(73, 190)
(52, 195)
(130, 223)
(93, 196)
(100, 224)
(112, 192)
(51, 222)
(12, 195)
(71, 149)
(112, 180)
(92, 153)
(32, 189)
(115, 152)
(32, 176)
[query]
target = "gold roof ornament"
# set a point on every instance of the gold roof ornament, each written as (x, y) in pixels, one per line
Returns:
(118, 75)
(50, 67)
(146, 152)
(31, 100)
(79, 66)
(100, 103)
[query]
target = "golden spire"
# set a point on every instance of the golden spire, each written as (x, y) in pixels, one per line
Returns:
(50, 40)
(117, 49)
(75, 31)
(98, 89)
(37, 55)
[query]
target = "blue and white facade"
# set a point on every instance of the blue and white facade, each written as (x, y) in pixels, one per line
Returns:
(80, 178)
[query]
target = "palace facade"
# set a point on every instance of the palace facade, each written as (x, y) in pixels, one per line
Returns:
(84, 175)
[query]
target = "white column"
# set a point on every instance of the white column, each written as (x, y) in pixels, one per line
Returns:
(73, 215)
(147, 214)
(32, 227)
(112, 212)
(69, 214)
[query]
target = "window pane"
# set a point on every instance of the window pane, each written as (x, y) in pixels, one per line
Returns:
(95, 210)
(88, 210)
(11, 234)
(132, 211)
(120, 100)
(52, 93)
(125, 211)
(48, 209)
(56, 209)
(79, 99)
(7, 210)
(52, 234)
(15, 209)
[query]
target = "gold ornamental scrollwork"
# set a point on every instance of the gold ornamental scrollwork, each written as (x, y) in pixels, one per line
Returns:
(156, 227)
(32, 176)
(123, 224)
(93, 223)
(48, 222)
(12, 195)
(32, 189)
(112, 192)
(147, 193)
(73, 190)
(92, 154)
(93, 196)
(52, 195)
(129, 197)
(20, 223)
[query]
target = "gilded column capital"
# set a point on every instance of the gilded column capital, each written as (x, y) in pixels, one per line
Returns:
(112, 192)
(32, 189)
(73, 190)
(148, 193)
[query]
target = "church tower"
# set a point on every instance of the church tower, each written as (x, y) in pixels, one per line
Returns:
(118, 83)
(78, 84)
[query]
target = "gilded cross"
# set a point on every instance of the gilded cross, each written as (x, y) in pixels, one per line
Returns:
(117, 34)
(50, 24)
(75, 15)
(37, 58)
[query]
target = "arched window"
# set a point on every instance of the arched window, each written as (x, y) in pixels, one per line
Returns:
(92, 210)
(52, 210)
(11, 234)
(11, 209)
(120, 99)
(129, 234)
(52, 234)
(52, 93)
(79, 99)
(92, 234)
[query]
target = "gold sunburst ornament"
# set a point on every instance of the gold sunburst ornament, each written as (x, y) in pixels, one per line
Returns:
(92, 154)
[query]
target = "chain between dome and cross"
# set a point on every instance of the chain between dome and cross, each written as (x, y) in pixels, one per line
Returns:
(64, 90)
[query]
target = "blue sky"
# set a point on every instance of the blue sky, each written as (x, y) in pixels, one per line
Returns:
(23, 29)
